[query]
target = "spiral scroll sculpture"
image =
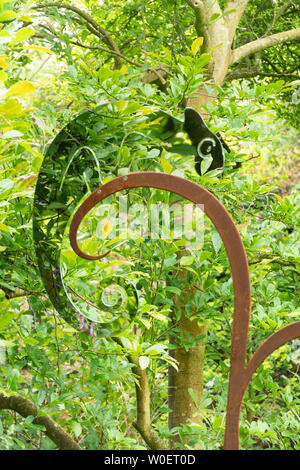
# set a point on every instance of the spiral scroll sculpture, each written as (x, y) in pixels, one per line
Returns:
(74, 166)
(63, 183)
(240, 371)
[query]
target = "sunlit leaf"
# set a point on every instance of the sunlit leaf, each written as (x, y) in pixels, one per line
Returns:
(22, 35)
(21, 88)
(7, 15)
(144, 362)
(3, 63)
(166, 166)
(11, 108)
(196, 44)
(3, 76)
(76, 428)
(107, 228)
(41, 49)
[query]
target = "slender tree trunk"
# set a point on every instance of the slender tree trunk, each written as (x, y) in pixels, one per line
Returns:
(190, 365)
(191, 362)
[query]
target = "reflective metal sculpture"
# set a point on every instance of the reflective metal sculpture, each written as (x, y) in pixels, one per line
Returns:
(74, 165)
(208, 145)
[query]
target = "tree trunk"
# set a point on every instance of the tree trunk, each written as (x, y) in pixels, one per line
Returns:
(218, 40)
(190, 365)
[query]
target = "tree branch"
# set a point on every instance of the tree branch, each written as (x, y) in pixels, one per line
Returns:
(277, 15)
(143, 417)
(293, 264)
(273, 66)
(143, 421)
(232, 20)
(203, 10)
(108, 39)
(17, 292)
(25, 408)
(100, 48)
(246, 73)
(158, 71)
(264, 43)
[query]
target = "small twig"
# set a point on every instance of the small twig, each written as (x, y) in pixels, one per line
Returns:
(39, 68)
(143, 422)
(105, 35)
(281, 261)
(246, 73)
(144, 30)
(85, 300)
(110, 51)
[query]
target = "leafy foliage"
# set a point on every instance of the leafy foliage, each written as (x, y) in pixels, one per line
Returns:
(86, 383)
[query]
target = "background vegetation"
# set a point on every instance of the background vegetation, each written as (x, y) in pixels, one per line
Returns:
(57, 60)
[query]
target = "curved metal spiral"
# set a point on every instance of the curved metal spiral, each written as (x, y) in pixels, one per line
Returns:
(72, 168)
(61, 186)
(240, 371)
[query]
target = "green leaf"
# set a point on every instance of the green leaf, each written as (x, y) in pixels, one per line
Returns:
(153, 153)
(40, 48)
(3, 76)
(22, 35)
(148, 90)
(13, 375)
(5, 185)
(296, 313)
(196, 44)
(12, 134)
(8, 286)
(159, 316)
(186, 260)
(145, 322)
(202, 61)
(21, 88)
(214, 17)
(7, 15)
(76, 428)
(29, 419)
(11, 108)
(166, 166)
(124, 152)
(193, 395)
(173, 289)
(2, 352)
(205, 164)
(216, 241)
(7, 228)
(144, 362)
(146, 308)
(5, 37)
(3, 2)
(156, 349)
(217, 423)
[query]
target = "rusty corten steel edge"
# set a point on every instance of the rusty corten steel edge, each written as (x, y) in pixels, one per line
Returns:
(237, 388)
(240, 374)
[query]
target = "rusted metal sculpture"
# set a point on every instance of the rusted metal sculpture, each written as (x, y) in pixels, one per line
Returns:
(61, 186)
(240, 371)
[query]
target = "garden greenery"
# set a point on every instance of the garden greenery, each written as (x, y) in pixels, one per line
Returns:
(87, 383)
